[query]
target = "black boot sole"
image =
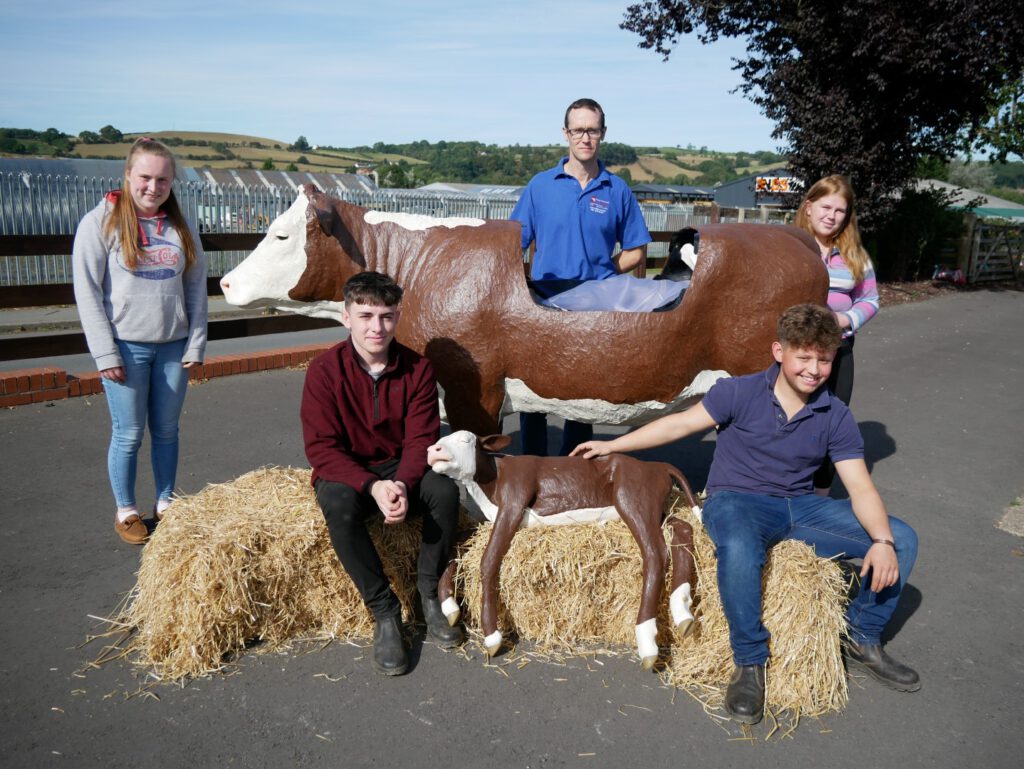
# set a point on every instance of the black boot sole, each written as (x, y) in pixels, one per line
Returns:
(750, 720)
(390, 671)
(855, 664)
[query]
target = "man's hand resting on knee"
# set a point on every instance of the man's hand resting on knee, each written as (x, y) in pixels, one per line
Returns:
(392, 499)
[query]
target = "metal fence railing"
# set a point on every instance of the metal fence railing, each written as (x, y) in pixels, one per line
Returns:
(47, 204)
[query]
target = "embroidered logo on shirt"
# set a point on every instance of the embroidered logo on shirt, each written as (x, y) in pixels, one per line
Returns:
(599, 206)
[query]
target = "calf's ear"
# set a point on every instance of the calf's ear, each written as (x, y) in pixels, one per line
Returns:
(495, 442)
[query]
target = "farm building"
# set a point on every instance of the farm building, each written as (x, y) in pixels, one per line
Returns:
(773, 188)
(673, 193)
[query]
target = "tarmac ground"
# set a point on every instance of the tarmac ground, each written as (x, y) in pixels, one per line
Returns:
(938, 398)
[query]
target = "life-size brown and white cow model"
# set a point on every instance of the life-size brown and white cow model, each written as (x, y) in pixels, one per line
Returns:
(515, 491)
(467, 307)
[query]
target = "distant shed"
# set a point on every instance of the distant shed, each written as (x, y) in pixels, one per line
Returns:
(673, 193)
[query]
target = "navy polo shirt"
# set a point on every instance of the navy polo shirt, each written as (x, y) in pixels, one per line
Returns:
(759, 452)
(576, 229)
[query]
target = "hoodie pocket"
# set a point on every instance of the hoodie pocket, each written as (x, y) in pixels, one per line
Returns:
(151, 318)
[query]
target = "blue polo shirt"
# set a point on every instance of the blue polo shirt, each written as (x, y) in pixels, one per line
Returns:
(576, 229)
(759, 452)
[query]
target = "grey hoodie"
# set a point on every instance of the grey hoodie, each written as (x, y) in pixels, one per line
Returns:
(156, 302)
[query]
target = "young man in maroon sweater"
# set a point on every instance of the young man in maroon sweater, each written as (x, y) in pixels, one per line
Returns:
(369, 412)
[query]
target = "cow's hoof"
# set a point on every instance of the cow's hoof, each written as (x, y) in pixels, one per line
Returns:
(451, 610)
(492, 643)
(647, 663)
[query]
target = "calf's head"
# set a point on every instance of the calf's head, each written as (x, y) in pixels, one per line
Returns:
(458, 455)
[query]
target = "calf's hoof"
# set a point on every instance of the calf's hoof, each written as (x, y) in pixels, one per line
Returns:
(684, 628)
(647, 643)
(492, 643)
(451, 610)
(680, 603)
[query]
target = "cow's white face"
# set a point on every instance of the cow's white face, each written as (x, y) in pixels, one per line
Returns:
(455, 456)
(275, 267)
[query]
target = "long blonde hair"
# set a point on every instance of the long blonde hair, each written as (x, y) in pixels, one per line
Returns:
(847, 240)
(124, 222)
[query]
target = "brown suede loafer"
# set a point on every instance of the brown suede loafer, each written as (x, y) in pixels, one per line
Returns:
(132, 530)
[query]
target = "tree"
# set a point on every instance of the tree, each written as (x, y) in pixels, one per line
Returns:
(90, 137)
(268, 165)
(1003, 131)
(617, 154)
(973, 176)
(300, 145)
(111, 134)
(861, 88)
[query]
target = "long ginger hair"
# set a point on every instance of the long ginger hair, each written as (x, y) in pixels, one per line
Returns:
(123, 222)
(847, 240)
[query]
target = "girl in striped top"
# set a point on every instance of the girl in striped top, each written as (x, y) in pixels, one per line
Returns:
(827, 213)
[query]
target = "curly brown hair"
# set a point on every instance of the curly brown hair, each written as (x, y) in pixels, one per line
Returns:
(809, 327)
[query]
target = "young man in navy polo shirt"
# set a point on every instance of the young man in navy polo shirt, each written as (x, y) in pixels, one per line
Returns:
(774, 429)
(576, 212)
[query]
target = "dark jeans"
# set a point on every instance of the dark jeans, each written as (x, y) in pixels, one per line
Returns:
(840, 382)
(744, 526)
(533, 434)
(346, 511)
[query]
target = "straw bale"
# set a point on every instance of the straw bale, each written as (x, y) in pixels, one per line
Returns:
(251, 561)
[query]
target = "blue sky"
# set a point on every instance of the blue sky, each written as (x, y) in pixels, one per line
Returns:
(350, 73)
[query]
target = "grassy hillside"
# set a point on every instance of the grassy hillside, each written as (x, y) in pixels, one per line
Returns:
(401, 165)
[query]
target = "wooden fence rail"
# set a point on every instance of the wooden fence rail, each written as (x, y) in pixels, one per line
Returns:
(17, 346)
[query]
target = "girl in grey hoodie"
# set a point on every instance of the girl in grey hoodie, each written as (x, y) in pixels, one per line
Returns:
(140, 286)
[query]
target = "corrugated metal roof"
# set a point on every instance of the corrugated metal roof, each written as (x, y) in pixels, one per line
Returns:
(113, 169)
(80, 167)
(473, 189)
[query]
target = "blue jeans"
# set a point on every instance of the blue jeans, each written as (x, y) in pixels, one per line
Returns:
(744, 526)
(533, 434)
(153, 391)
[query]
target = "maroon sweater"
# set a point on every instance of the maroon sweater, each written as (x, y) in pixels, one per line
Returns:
(349, 421)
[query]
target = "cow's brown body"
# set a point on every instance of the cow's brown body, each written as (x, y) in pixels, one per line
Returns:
(469, 310)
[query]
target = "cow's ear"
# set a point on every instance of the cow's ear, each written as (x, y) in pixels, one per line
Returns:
(323, 209)
(495, 442)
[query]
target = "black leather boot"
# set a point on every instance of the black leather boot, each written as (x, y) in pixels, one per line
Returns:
(873, 660)
(389, 658)
(446, 636)
(744, 699)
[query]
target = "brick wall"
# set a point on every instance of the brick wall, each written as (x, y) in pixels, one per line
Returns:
(48, 383)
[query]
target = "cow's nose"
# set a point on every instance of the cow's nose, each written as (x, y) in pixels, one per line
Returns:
(224, 284)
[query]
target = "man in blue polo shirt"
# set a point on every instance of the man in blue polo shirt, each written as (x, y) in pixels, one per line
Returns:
(576, 212)
(774, 427)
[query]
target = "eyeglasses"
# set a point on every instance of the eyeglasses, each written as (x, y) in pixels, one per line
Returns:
(579, 133)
